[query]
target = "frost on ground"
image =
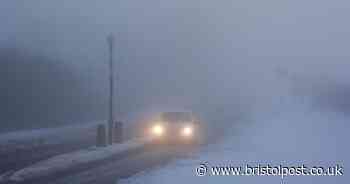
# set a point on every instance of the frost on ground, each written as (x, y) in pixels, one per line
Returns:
(284, 137)
(27, 139)
(75, 159)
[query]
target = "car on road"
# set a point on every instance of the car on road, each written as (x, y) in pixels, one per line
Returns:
(176, 127)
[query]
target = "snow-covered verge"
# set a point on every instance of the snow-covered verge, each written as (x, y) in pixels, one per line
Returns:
(72, 160)
(27, 139)
(287, 137)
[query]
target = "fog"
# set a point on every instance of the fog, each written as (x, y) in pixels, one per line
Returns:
(224, 60)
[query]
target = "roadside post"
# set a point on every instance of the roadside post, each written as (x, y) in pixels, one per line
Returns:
(101, 136)
(118, 132)
(110, 40)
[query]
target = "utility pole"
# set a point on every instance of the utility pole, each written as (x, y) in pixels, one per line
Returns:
(110, 40)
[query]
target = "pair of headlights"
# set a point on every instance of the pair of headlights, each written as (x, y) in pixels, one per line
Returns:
(159, 130)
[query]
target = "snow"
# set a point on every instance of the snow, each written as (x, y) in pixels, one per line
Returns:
(29, 138)
(288, 137)
(70, 160)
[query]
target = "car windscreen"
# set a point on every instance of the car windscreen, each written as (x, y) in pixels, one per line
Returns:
(177, 116)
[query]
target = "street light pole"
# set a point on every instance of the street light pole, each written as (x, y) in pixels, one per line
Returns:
(110, 40)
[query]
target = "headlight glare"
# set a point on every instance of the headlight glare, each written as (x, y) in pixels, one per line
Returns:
(157, 130)
(187, 131)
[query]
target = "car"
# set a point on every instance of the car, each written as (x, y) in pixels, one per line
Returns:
(175, 127)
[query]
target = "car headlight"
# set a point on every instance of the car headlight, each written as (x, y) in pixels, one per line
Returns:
(157, 130)
(187, 131)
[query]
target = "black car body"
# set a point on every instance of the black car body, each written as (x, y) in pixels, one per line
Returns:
(176, 127)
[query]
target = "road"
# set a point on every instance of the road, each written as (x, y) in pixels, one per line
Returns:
(110, 172)
(23, 148)
(105, 173)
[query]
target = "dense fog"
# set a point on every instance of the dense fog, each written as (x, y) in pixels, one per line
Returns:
(224, 59)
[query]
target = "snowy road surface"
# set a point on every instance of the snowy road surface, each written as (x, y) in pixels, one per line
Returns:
(22, 148)
(79, 159)
(109, 173)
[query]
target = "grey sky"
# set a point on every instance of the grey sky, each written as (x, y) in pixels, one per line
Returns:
(186, 52)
